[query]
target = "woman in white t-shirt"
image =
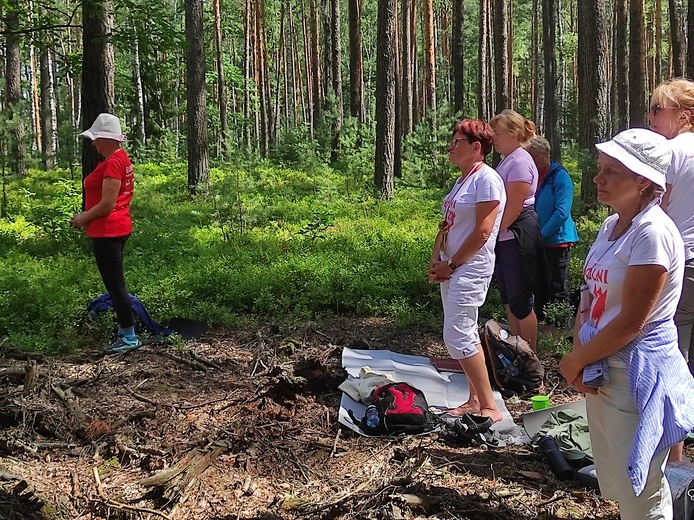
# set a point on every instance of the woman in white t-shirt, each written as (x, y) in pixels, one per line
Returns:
(672, 115)
(463, 257)
(642, 403)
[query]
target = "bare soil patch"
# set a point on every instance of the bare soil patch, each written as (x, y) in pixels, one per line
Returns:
(243, 425)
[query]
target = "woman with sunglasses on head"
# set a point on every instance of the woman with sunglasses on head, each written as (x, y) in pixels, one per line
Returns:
(640, 394)
(520, 255)
(672, 116)
(463, 257)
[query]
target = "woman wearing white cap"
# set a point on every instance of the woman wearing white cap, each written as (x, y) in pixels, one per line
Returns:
(640, 393)
(108, 191)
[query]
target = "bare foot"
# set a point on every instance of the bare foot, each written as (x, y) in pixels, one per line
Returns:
(493, 413)
(472, 406)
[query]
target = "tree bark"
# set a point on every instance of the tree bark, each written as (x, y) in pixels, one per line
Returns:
(98, 71)
(637, 64)
(621, 69)
(501, 56)
(406, 67)
(690, 39)
(140, 106)
(336, 86)
(385, 99)
(356, 63)
(592, 96)
(658, 29)
(221, 91)
(198, 150)
(429, 64)
(13, 90)
(49, 118)
(483, 57)
(315, 66)
(549, 43)
(677, 37)
(457, 60)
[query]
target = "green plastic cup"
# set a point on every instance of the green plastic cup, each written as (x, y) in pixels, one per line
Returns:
(540, 402)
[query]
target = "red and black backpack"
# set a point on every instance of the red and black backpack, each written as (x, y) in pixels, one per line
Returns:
(401, 408)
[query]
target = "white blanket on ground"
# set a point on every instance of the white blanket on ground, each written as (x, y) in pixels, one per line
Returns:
(442, 389)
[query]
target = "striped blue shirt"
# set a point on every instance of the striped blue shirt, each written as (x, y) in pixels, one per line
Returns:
(662, 389)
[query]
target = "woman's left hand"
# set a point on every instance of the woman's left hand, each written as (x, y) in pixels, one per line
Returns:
(79, 221)
(570, 367)
(439, 272)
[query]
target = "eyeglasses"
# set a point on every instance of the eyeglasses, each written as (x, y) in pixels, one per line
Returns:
(657, 108)
(456, 140)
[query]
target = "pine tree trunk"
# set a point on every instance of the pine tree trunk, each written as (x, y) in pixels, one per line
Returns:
(98, 71)
(621, 70)
(637, 64)
(483, 57)
(13, 90)
(592, 96)
(690, 39)
(221, 91)
(356, 63)
(406, 65)
(549, 44)
(385, 99)
(260, 58)
(48, 110)
(658, 69)
(247, 70)
(198, 150)
(501, 56)
(140, 106)
(677, 37)
(416, 86)
(457, 60)
(397, 166)
(316, 66)
(35, 105)
(429, 63)
(336, 86)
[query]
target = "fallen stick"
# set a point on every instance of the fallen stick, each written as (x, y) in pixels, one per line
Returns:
(197, 357)
(337, 438)
(189, 362)
(119, 505)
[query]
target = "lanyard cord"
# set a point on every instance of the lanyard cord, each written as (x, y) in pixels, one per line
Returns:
(445, 225)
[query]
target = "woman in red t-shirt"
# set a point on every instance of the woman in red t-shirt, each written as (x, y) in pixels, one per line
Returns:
(108, 191)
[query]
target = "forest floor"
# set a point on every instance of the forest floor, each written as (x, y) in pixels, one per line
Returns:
(245, 423)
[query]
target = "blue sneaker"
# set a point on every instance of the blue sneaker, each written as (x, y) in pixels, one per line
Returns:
(121, 345)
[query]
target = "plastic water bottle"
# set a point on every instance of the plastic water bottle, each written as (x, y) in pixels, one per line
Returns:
(507, 362)
(372, 419)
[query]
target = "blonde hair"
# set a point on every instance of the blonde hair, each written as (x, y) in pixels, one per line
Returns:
(513, 122)
(677, 93)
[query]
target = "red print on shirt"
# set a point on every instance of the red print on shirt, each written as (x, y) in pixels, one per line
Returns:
(600, 298)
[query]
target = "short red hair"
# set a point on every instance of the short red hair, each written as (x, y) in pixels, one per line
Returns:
(476, 130)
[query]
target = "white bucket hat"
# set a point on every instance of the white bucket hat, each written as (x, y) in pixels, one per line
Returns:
(106, 126)
(642, 151)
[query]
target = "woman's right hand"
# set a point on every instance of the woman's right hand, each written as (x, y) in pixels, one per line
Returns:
(578, 385)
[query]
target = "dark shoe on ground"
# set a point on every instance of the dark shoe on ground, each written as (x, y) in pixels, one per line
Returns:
(121, 345)
(476, 429)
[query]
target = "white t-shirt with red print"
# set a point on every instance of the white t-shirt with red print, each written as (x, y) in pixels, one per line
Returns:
(652, 239)
(459, 211)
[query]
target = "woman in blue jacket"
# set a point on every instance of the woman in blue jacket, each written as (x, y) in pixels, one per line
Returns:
(553, 202)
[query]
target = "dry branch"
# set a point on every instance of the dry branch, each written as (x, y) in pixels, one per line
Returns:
(112, 503)
(178, 359)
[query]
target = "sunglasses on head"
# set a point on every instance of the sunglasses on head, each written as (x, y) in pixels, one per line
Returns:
(657, 108)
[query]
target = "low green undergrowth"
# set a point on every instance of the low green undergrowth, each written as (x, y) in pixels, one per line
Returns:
(268, 242)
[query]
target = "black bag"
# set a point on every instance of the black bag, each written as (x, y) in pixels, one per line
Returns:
(401, 408)
(512, 365)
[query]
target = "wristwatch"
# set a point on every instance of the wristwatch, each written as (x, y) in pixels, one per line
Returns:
(452, 264)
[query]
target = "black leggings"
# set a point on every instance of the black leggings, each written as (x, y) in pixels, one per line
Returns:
(108, 253)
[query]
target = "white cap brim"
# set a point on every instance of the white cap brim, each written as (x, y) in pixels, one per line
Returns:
(618, 152)
(88, 134)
